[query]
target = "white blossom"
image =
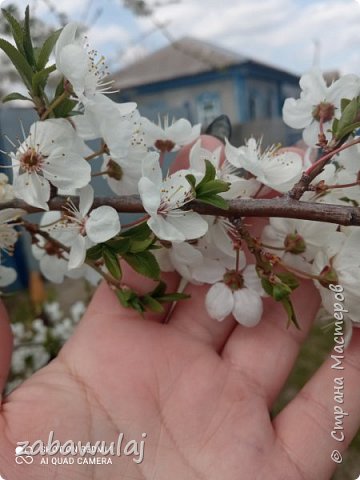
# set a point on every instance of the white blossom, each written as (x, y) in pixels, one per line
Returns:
(88, 229)
(278, 170)
(169, 137)
(318, 101)
(296, 241)
(339, 260)
(163, 199)
(83, 68)
(49, 155)
(239, 295)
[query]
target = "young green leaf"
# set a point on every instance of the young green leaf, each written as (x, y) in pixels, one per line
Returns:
(27, 42)
(16, 30)
(112, 262)
(216, 201)
(95, 252)
(45, 51)
(19, 62)
(144, 263)
(289, 308)
(210, 173)
(140, 232)
(40, 78)
(152, 304)
(14, 96)
(172, 297)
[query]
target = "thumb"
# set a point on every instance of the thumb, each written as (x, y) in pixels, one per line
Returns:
(5, 346)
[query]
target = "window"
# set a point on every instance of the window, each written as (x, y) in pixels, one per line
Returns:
(208, 107)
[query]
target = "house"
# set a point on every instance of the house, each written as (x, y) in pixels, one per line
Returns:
(197, 80)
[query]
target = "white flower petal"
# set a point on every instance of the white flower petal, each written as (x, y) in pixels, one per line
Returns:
(190, 224)
(151, 169)
(219, 301)
(86, 196)
(67, 171)
(103, 223)
(33, 189)
(248, 307)
(77, 252)
(165, 230)
(150, 195)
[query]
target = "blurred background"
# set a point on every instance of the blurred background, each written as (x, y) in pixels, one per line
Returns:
(188, 59)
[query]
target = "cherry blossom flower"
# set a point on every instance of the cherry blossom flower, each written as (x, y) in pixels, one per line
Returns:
(296, 241)
(318, 103)
(169, 137)
(339, 262)
(51, 154)
(163, 199)
(114, 122)
(123, 175)
(88, 229)
(240, 295)
(53, 261)
(279, 171)
(225, 171)
(84, 69)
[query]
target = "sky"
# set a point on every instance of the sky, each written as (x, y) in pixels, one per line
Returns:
(290, 34)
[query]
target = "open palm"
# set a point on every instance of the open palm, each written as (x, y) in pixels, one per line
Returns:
(200, 390)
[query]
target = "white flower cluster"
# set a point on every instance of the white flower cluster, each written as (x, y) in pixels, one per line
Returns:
(35, 345)
(203, 249)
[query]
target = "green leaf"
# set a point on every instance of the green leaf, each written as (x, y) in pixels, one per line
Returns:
(112, 262)
(280, 291)
(159, 290)
(27, 42)
(172, 297)
(347, 130)
(95, 253)
(140, 232)
(267, 286)
(40, 78)
(141, 245)
(212, 187)
(192, 181)
(289, 308)
(14, 96)
(151, 304)
(216, 201)
(144, 263)
(65, 108)
(210, 173)
(46, 49)
(348, 117)
(344, 102)
(120, 246)
(19, 62)
(16, 30)
(289, 279)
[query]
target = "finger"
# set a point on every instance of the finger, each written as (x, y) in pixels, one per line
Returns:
(307, 426)
(192, 318)
(267, 352)
(5, 346)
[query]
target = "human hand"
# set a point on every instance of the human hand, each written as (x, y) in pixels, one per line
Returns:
(200, 389)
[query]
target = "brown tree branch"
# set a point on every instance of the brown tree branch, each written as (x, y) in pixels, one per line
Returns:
(276, 207)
